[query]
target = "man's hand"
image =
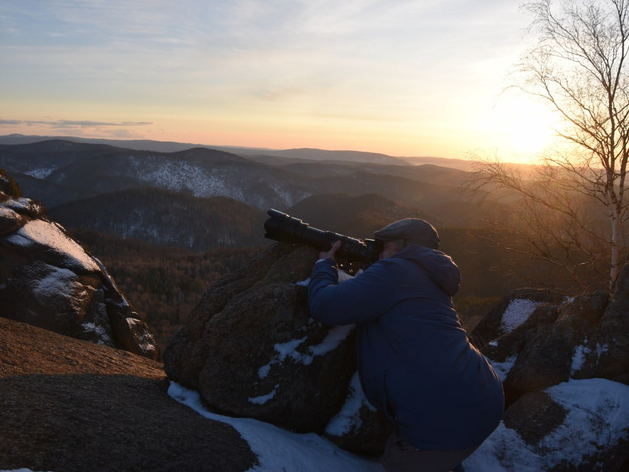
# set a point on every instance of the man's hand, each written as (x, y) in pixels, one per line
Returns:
(330, 254)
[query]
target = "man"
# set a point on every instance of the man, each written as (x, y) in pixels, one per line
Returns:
(415, 362)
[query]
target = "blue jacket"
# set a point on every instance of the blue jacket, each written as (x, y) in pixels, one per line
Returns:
(414, 359)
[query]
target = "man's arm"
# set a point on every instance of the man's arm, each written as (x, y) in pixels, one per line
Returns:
(360, 299)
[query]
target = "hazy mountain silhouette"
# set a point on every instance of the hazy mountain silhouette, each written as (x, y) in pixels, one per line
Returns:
(255, 153)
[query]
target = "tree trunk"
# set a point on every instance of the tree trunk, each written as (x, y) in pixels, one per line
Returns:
(615, 257)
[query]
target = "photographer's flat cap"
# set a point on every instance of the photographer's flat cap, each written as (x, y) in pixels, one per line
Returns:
(412, 230)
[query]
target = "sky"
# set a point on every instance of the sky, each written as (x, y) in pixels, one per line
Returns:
(405, 78)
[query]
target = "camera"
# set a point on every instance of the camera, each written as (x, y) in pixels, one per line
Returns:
(284, 228)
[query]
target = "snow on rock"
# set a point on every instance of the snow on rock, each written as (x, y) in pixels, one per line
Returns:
(288, 350)
(100, 333)
(22, 205)
(582, 351)
(48, 280)
(278, 449)
(262, 399)
(503, 368)
(348, 418)
(597, 418)
(46, 234)
(517, 313)
(6, 212)
(58, 284)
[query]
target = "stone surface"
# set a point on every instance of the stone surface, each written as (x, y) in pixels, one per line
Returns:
(70, 405)
(605, 353)
(491, 326)
(547, 359)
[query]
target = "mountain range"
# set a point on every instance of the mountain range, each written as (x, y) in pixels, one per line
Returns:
(201, 198)
(304, 153)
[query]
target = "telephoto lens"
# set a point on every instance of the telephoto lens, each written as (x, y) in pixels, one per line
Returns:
(285, 228)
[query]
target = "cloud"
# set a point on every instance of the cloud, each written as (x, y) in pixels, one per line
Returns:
(74, 123)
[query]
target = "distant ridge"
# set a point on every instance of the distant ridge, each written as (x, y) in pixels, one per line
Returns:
(292, 154)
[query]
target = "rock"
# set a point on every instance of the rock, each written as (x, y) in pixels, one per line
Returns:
(605, 353)
(576, 426)
(48, 280)
(510, 312)
(252, 350)
(546, 360)
(535, 416)
(73, 406)
(358, 427)
(539, 346)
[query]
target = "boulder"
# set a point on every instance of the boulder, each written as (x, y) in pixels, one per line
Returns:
(563, 363)
(48, 280)
(547, 359)
(576, 426)
(251, 349)
(511, 312)
(605, 353)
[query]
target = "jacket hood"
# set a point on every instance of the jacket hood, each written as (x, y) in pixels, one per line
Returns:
(439, 266)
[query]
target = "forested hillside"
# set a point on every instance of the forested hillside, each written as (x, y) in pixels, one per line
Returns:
(166, 218)
(162, 283)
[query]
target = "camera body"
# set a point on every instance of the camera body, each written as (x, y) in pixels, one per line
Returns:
(285, 228)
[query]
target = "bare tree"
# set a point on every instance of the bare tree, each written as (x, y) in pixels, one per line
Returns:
(578, 67)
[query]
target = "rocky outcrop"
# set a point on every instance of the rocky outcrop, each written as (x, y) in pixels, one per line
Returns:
(74, 406)
(563, 361)
(48, 280)
(251, 349)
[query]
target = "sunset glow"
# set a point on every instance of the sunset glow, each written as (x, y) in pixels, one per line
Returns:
(406, 78)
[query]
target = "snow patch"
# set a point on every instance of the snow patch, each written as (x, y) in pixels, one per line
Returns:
(43, 233)
(7, 213)
(503, 368)
(58, 284)
(288, 350)
(103, 337)
(598, 415)
(42, 173)
(278, 449)
(19, 204)
(517, 313)
(578, 358)
(262, 399)
(348, 419)
(178, 175)
(582, 351)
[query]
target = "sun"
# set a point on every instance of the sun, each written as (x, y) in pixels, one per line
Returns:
(525, 128)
